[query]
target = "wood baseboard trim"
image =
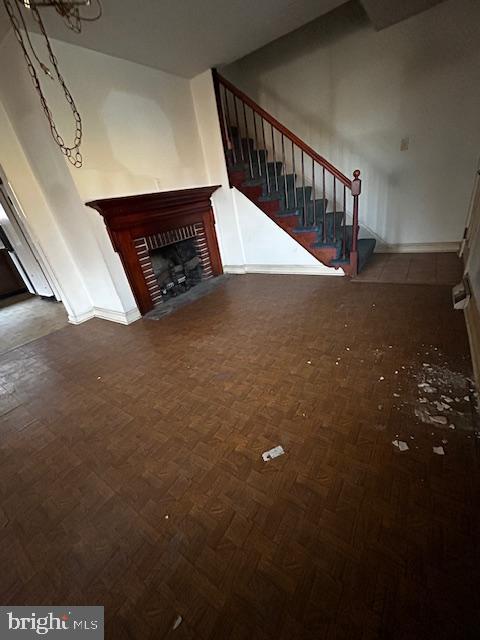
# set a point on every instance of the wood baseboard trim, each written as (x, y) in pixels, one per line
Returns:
(284, 269)
(118, 316)
(106, 314)
(82, 317)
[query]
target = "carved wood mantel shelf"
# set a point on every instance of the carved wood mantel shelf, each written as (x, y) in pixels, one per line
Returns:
(131, 217)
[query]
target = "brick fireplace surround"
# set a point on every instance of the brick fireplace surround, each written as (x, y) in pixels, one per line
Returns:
(137, 224)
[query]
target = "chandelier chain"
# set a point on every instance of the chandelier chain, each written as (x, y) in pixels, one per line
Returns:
(73, 19)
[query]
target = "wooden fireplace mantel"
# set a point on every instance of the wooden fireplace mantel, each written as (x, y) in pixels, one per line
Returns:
(131, 217)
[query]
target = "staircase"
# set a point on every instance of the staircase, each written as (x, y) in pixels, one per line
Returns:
(298, 189)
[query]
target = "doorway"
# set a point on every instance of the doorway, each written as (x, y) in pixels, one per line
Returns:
(470, 252)
(30, 304)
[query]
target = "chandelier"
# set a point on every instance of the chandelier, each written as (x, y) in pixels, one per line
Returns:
(71, 12)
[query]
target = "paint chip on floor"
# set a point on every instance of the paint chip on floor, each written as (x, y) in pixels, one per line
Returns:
(439, 451)
(178, 621)
(400, 444)
(273, 453)
(426, 387)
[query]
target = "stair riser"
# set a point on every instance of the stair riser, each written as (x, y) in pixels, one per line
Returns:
(287, 221)
(253, 193)
(272, 207)
(325, 255)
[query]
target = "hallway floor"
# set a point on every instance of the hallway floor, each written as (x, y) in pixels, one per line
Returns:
(131, 473)
(24, 318)
(412, 268)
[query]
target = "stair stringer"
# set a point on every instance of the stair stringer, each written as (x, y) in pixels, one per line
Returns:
(270, 248)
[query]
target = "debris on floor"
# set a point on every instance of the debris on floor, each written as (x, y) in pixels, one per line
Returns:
(446, 389)
(177, 622)
(439, 451)
(400, 444)
(426, 387)
(273, 453)
(441, 406)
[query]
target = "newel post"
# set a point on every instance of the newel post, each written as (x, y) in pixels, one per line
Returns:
(356, 191)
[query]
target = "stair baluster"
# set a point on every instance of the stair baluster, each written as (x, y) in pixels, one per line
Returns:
(314, 194)
(334, 209)
(294, 177)
(324, 198)
(305, 219)
(274, 158)
(333, 245)
(237, 122)
(249, 150)
(267, 173)
(231, 144)
(284, 172)
(256, 144)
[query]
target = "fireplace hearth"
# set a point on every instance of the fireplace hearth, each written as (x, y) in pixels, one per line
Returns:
(166, 241)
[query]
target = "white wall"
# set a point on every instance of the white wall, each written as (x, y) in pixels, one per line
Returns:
(269, 249)
(249, 241)
(140, 128)
(353, 93)
(140, 136)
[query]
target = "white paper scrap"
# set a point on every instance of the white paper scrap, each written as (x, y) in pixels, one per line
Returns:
(273, 453)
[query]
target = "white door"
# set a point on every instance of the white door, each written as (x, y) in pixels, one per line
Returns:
(20, 248)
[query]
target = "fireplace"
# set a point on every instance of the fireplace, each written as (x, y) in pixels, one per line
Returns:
(166, 241)
(174, 261)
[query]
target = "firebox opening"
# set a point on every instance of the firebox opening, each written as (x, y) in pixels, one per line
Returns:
(177, 267)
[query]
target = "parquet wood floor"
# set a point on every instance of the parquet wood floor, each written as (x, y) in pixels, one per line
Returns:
(106, 430)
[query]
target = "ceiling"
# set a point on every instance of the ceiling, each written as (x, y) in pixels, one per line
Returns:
(186, 37)
(384, 13)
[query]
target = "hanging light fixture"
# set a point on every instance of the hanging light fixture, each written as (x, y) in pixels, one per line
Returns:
(70, 11)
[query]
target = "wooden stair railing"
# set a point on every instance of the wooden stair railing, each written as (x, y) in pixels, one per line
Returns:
(258, 142)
